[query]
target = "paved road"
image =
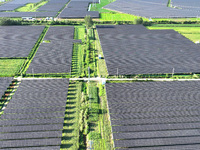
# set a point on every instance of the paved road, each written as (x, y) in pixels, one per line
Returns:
(112, 79)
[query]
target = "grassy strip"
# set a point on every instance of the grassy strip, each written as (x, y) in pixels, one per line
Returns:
(70, 135)
(174, 25)
(77, 60)
(98, 7)
(78, 52)
(192, 33)
(4, 100)
(169, 3)
(99, 124)
(79, 33)
(31, 7)
(118, 17)
(90, 54)
(101, 66)
(9, 67)
(33, 52)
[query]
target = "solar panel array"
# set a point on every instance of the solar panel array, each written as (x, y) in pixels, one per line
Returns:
(186, 4)
(152, 9)
(4, 84)
(27, 14)
(155, 115)
(133, 49)
(53, 5)
(40, 126)
(18, 41)
(78, 9)
(50, 9)
(12, 5)
(54, 57)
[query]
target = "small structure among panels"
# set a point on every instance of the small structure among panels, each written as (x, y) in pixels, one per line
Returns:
(156, 9)
(28, 121)
(55, 55)
(155, 115)
(79, 9)
(133, 49)
(18, 41)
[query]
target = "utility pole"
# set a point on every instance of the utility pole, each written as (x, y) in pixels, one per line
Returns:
(117, 72)
(33, 72)
(88, 74)
(172, 72)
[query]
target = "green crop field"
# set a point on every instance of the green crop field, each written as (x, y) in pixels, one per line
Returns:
(98, 7)
(8, 67)
(118, 17)
(31, 7)
(192, 33)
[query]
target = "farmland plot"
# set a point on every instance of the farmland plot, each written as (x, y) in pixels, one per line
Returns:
(35, 115)
(154, 115)
(132, 49)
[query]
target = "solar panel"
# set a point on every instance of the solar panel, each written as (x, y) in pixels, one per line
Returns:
(154, 115)
(146, 52)
(18, 41)
(30, 128)
(31, 122)
(33, 110)
(28, 135)
(31, 142)
(33, 115)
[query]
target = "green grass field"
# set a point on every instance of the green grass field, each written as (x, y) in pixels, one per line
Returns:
(98, 7)
(8, 67)
(79, 32)
(118, 17)
(70, 135)
(30, 7)
(192, 33)
(176, 19)
(102, 68)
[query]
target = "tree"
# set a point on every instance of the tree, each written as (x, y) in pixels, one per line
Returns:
(88, 22)
(139, 20)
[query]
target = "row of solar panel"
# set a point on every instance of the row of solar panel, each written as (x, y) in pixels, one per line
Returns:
(147, 52)
(54, 57)
(42, 126)
(79, 9)
(151, 10)
(154, 127)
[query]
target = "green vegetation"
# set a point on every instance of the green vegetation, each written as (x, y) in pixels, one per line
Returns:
(31, 7)
(192, 33)
(70, 135)
(169, 3)
(8, 95)
(99, 125)
(98, 7)
(10, 67)
(79, 33)
(78, 52)
(77, 59)
(91, 54)
(7, 21)
(88, 22)
(101, 66)
(119, 17)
